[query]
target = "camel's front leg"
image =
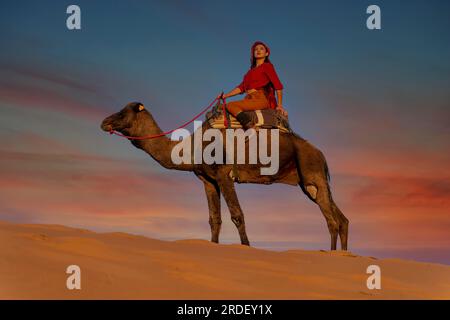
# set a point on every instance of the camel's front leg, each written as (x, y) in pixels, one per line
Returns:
(213, 195)
(237, 216)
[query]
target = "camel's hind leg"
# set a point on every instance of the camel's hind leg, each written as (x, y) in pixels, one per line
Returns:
(343, 224)
(318, 192)
(313, 172)
(329, 208)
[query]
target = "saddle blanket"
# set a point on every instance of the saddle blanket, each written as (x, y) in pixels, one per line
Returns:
(266, 118)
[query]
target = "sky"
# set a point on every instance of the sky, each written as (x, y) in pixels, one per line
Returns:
(375, 102)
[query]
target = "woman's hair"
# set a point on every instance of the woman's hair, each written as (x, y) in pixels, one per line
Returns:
(269, 88)
(252, 54)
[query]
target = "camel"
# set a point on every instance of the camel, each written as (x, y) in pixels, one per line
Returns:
(300, 164)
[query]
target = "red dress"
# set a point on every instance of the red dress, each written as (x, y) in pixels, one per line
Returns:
(263, 76)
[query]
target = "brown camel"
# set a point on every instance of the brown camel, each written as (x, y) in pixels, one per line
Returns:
(300, 163)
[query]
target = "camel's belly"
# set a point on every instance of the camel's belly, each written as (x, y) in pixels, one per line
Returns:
(287, 174)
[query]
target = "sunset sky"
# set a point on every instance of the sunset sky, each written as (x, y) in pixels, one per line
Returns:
(377, 103)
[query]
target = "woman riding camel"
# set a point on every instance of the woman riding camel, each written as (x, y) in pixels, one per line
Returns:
(260, 83)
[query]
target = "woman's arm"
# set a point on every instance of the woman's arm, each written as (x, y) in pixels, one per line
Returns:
(278, 86)
(280, 102)
(233, 92)
(279, 98)
(273, 76)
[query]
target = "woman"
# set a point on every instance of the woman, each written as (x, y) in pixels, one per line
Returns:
(260, 83)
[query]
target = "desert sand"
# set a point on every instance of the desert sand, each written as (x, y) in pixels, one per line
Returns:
(34, 258)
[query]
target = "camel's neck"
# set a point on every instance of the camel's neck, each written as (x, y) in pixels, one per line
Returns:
(159, 148)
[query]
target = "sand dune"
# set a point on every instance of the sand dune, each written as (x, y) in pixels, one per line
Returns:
(34, 258)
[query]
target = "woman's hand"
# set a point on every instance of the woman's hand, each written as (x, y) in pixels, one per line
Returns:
(281, 109)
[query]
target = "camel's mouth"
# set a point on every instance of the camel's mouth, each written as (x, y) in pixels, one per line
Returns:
(107, 125)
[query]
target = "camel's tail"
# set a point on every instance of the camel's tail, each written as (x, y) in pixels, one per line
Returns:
(327, 172)
(325, 166)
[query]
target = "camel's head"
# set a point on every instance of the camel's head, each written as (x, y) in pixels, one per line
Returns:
(125, 120)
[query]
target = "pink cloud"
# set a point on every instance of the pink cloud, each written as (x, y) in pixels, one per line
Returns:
(28, 96)
(403, 191)
(47, 76)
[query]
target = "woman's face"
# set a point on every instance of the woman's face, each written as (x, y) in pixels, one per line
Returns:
(260, 52)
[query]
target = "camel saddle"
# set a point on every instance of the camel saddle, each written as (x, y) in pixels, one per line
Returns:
(265, 118)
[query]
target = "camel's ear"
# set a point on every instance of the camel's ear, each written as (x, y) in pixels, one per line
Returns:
(139, 107)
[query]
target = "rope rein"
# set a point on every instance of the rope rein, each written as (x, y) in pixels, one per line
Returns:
(224, 110)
